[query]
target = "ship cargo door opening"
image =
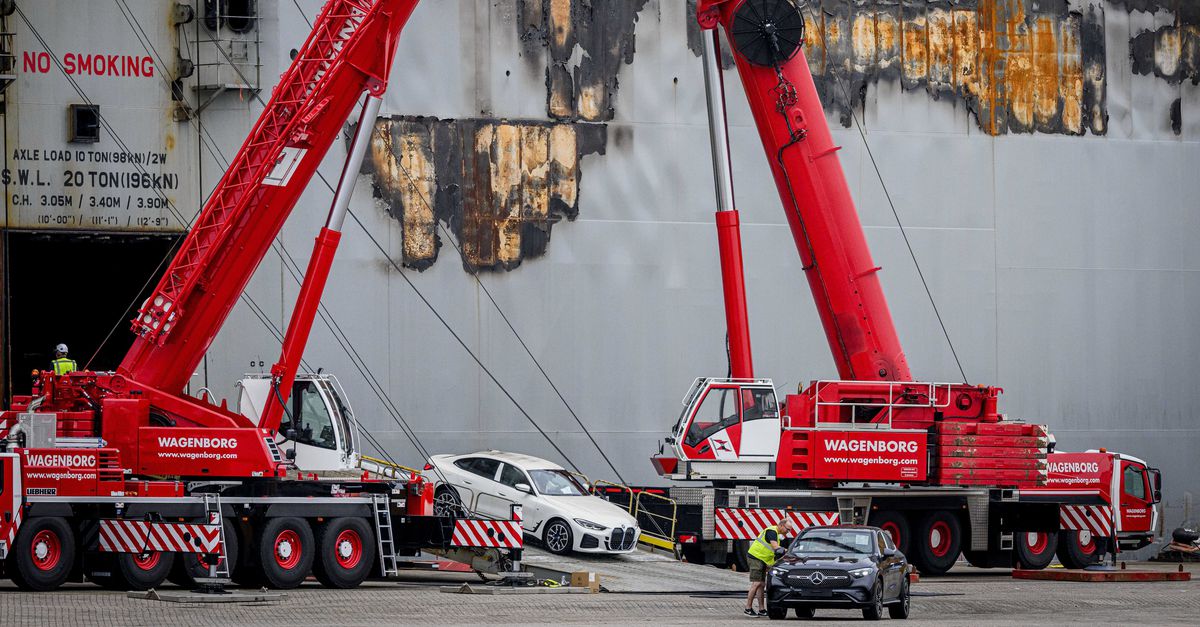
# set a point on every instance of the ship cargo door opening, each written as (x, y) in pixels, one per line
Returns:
(74, 288)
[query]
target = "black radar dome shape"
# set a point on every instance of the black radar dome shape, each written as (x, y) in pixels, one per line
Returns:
(767, 32)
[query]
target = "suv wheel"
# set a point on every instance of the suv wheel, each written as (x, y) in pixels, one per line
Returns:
(900, 608)
(775, 612)
(874, 611)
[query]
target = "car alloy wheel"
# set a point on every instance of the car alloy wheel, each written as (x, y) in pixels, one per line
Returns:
(558, 537)
(447, 503)
(874, 611)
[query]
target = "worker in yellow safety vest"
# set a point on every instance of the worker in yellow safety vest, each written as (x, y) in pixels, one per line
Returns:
(762, 555)
(63, 364)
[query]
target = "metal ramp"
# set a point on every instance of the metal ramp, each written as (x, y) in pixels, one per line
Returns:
(639, 571)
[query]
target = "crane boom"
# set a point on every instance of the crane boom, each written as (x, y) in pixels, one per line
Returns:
(349, 51)
(824, 222)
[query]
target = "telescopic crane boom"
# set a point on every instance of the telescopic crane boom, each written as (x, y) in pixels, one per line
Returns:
(734, 429)
(141, 408)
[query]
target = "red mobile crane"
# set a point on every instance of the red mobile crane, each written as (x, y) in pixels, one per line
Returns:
(940, 468)
(93, 465)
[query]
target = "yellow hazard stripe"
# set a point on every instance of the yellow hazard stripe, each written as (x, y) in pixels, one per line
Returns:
(658, 542)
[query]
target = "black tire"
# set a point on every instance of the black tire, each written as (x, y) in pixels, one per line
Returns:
(141, 572)
(284, 549)
(1034, 550)
(1073, 552)
(775, 612)
(896, 524)
(558, 537)
(901, 608)
(190, 566)
(874, 611)
(936, 543)
(446, 502)
(345, 553)
(1184, 535)
(42, 554)
(805, 612)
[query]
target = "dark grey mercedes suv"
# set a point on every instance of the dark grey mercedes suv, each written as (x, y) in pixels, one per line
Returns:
(846, 566)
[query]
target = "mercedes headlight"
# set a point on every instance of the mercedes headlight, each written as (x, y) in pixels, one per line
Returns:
(587, 524)
(859, 573)
(778, 572)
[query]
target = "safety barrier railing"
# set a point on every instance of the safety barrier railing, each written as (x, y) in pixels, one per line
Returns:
(386, 468)
(658, 529)
(608, 489)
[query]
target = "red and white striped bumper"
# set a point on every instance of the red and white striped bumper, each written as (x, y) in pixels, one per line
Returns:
(504, 534)
(746, 524)
(1097, 519)
(8, 532)
(133, 536)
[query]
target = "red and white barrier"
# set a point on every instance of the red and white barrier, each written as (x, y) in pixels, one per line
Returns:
(8, 531)
(746, 523)
(504, 534)
(1097, 519)
(134, 536)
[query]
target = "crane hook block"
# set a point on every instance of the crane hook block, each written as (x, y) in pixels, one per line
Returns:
(767, 32)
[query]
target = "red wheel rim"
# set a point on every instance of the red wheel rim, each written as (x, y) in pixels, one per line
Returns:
(287, 549)
(46, 550)
(1087, 542)
(1037, 541)
(893, 530)
(147, 560)
(348, 549)
(939, 538)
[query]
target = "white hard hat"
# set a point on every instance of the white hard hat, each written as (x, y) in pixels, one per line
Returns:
(61, 348)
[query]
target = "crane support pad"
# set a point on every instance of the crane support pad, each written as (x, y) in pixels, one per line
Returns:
(1097, 576)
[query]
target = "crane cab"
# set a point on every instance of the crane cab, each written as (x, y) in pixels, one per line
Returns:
(729, 429)
(317, 424)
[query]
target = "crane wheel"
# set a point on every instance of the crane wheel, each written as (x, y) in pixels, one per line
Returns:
(284, 549)
(42, 554)
(1034, 550)
(345, 552)
(190, 566)
(134, 571)
(1079, 549)
(896, 525)
(937, 542)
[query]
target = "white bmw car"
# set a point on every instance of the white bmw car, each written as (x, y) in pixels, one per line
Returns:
(556, 507)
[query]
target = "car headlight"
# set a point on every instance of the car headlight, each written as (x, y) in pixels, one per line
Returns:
(778, 572)
(587, 524)
(859, 573)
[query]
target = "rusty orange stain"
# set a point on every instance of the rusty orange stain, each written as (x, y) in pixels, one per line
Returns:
(916, 49)
(1019, 71)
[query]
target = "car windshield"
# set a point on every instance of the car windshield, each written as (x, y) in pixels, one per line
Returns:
(833, 542)
(556, 483)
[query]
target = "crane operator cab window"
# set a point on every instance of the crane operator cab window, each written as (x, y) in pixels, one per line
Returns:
(310, 417)
(718, 411)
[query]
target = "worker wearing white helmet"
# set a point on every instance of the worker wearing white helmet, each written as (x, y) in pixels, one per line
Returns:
(63, 364)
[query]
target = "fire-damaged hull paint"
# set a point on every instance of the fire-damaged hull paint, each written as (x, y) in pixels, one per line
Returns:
(603, 31)
(1019, 66)
(498, 186)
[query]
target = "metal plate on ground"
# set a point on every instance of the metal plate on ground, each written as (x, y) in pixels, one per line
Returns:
(191, 596)
(639, 571)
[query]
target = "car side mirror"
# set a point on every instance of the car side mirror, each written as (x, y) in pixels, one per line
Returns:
(891, 553)
(524, 487)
